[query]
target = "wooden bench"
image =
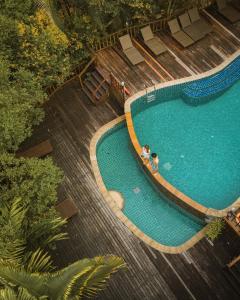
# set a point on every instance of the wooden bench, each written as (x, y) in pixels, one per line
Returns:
(67, 209)
(39, 150)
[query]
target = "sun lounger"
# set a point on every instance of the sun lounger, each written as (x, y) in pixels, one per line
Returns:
(199, 22)
(66, 208)
(178, 34)
(129, 50)
(153, 43)
(193, 31)
(229, 12)
(39, 150)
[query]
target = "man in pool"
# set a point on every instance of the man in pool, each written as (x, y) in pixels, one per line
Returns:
(154, 162)
(146, 154)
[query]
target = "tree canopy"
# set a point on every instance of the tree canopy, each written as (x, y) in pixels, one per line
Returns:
(28, 185)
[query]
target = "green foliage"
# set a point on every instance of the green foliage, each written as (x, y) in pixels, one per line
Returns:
(43, 49)
(215, 228)
(20, 100)
(28, 191)
(79, 280)
(8, 37)
(16, 9)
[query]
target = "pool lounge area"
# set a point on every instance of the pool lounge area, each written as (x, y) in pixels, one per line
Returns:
(184, 135)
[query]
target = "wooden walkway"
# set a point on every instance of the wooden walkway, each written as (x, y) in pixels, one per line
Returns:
(71, 120)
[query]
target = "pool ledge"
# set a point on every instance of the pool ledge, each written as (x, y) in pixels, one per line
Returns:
(177, 196)
(109, 198)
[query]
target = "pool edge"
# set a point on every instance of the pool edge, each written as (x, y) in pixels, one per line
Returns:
(121, 216)
(179, 197)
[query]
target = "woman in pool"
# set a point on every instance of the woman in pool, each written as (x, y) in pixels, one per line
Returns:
(154, 162)
(146, 154)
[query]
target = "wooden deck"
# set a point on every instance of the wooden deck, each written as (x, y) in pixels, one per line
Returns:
(71, 120)
(175, 63)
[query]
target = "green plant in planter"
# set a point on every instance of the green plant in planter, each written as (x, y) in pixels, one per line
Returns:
(215, 228)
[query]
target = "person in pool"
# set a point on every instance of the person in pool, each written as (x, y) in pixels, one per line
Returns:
(154, 162)
(146, 154)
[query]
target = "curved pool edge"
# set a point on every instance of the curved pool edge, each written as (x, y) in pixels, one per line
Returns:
(121, 216)
(179, 197)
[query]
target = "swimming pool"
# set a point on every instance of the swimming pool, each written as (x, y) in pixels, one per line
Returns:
(198, 145)
(153, 214)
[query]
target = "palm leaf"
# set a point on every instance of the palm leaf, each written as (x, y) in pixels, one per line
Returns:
(96, 279)
(39, 230)
(39, 262)
(83, 278)
(14, 215)
(17, 277)
(7, 294)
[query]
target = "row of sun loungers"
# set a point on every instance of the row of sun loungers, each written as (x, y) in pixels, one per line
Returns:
(193, 29)
(228, 11)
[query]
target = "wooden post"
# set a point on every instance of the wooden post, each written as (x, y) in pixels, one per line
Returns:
(234, 261)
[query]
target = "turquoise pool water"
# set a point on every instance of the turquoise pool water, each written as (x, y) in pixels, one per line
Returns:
(144, 206)
(198, 146)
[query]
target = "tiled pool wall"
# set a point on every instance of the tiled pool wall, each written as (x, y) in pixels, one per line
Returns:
(166, 92)
(194, 92)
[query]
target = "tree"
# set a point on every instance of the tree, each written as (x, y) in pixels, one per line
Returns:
(16, 9)
(83, 278)
(8, 37)
(20, 100)
(44, 49)
(28, 187)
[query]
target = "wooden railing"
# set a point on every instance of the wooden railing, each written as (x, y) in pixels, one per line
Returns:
(111, 39)
(156, 25)
(52, 89)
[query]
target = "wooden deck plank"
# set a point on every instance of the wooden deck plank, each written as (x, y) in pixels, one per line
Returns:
(234, 28)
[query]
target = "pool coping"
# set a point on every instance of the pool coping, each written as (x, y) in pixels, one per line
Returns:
(115, 208)
(179, 197)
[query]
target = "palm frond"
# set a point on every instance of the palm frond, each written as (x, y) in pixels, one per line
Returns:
(39, 261)
(11, 276)
(23, 294)
(85, 277)
(96, 280)
(14, 215)
(7, 294)
(38, 232)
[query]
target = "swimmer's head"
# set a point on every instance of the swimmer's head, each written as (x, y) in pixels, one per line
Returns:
(147, 147)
